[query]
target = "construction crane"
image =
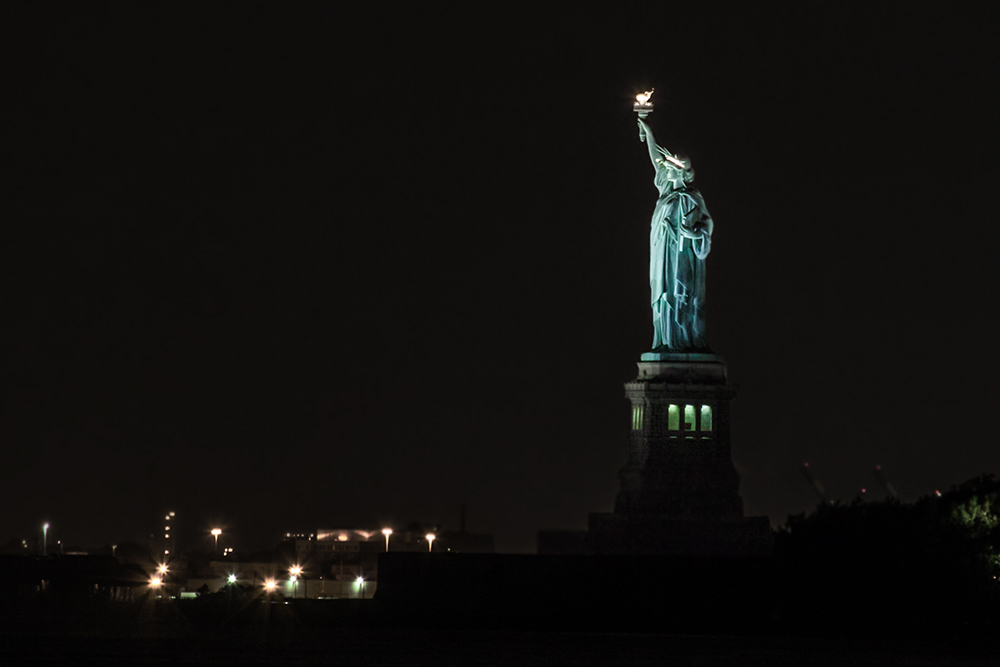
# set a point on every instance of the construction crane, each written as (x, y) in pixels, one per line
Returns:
(811, 478)
(886, 484)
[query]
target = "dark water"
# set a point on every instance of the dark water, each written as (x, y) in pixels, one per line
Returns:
(410, 647)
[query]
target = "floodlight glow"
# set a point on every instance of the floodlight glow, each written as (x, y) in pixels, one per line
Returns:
(293, 579)
(269, 584)
(359, 581)
(430, 537)
(674, 161)
(162, 569)
(295, 570)
(642, 99)
(217, 531)
(232, 578)
(154, 582)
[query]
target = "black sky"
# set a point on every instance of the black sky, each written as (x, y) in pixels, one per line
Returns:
(277, 269)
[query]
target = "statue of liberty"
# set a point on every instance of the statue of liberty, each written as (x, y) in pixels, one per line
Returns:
(680, 238)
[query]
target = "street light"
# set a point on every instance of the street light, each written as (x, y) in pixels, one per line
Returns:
(360, 581)
(387, 532)
(45, 539)
(216, 532)
(430, 540)
(232, 578)
(269, 585)
(296, 571)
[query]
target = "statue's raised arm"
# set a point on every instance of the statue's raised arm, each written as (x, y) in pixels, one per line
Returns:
(657, 154)
(646, 135)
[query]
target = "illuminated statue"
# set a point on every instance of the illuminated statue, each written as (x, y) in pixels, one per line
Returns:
(680, 238)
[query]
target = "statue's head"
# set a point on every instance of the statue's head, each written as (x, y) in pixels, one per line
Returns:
(687, 173)
(678, 167)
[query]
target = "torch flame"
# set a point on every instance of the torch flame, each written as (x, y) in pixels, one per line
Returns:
(643, 98)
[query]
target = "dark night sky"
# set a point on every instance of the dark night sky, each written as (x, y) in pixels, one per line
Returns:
(282, 271)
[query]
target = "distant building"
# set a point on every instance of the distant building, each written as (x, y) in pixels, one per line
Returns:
(332, 563)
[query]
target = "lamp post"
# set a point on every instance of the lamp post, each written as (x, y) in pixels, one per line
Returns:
(45, 539)
(360, 581)
(216, 532)
(387, 532)
(296, 572)
(430, 537)
(159, 580)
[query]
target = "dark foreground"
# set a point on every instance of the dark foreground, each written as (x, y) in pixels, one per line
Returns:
(451, 609)
(443, 647)
(331, 632)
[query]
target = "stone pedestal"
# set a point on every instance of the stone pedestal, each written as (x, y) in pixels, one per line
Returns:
(679, 491)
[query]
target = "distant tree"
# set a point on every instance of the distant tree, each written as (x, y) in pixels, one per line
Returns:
(933, 559)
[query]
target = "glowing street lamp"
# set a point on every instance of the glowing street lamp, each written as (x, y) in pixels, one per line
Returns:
(387, 532)
(269, 585)
(216, 532)
(430, 537)
(45, 539)
(232, 579)
(162, 569)
(360, 581)
(155, 582)
(296, 572)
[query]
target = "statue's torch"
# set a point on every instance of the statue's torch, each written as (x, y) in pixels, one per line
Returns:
(643, 107)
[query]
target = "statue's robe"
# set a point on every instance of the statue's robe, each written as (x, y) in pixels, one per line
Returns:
(679, 241)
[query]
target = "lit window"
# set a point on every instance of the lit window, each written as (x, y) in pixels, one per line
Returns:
(637, 415)
(706, 418)
(688, 417)
(673, 418)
